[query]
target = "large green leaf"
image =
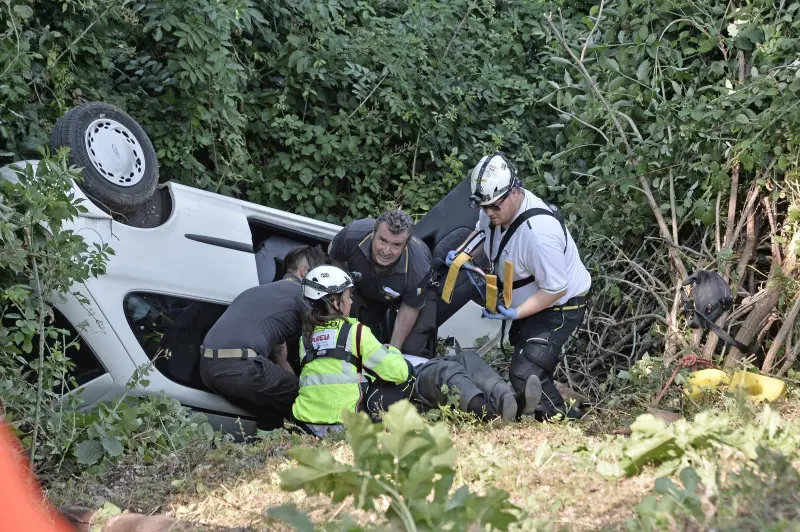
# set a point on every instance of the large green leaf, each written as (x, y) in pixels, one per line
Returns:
(291, 515)
(89, 452)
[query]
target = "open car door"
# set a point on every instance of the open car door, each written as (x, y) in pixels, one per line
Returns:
(444, 228)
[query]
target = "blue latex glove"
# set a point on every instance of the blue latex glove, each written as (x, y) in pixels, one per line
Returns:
(451, 256)
(503, 313)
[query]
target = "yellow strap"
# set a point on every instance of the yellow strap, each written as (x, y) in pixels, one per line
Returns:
(508, 283)
(452, 276)
(573, 307)
(491, 293)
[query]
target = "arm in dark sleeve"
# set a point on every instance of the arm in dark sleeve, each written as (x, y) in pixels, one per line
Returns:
(415, 296)
(420, 274)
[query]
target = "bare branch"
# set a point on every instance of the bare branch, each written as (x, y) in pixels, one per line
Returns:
(596, 23)
(783, 333)
(776, 249)
(646, 189)
(729, 223)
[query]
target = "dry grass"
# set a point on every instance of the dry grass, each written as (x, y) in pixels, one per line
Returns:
(555, 488)
(235, 485)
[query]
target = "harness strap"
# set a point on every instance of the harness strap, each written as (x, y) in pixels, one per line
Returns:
(730, 340)
(521, 219)
(358, 345)
(519, 283)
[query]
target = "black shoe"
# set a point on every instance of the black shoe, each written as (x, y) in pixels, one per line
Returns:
(510, 407)
(576, 413)
(533, 394)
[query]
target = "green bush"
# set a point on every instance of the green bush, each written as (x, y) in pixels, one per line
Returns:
(405, 460)
(642, 110)
(40, 258)
(763, 495)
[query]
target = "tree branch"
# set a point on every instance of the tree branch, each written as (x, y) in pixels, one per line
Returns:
(662, 225)
(729, 223)
(776, 249)
(783, 333)
(572, 115)
(596, 23)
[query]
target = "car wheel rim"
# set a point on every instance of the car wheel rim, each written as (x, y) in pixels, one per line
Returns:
(115, 153)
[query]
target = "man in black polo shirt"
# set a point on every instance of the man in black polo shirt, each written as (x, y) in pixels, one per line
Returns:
(395, 273)
(245, 354)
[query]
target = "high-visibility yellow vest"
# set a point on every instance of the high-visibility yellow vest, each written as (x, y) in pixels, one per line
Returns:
(331, 380)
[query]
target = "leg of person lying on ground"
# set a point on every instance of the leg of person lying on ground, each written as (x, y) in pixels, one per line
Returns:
(499, 392)
(485, 391)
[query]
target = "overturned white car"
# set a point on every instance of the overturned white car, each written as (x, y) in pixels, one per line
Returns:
(181, 256)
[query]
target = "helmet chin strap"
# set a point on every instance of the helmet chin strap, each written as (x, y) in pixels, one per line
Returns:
(331, 305)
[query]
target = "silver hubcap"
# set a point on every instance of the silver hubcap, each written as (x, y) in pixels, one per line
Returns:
(115, 153)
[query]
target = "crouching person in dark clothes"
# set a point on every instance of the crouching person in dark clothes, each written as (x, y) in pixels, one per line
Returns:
(395, 270)
(342, 361)
(481, 390)
(244, 355)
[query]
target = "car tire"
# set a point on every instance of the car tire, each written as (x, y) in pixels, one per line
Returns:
(120, 169)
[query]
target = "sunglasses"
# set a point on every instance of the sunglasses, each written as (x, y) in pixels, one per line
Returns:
(496, 206)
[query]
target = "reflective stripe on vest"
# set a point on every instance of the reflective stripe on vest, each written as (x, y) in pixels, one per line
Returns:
(330, 378)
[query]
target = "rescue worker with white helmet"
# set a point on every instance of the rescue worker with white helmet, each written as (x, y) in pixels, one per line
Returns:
(343, 364)
(550, 283)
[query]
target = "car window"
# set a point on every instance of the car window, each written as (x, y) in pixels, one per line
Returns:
(170, 330)
(86, 364)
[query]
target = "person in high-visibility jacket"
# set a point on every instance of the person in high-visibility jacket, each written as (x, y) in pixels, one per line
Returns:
(343, 364)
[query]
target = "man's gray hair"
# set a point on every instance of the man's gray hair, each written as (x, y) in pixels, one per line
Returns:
(397, 221)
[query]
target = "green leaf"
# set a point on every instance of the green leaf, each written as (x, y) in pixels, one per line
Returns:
(542, 454)
(742, 118)
(112, 446)
(289, 513)
(610, 469)
(708, 218)
(643, 72)
(89, 452)
(23, 11)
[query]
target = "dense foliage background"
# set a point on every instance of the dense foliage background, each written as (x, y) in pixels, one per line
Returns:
(667, 130)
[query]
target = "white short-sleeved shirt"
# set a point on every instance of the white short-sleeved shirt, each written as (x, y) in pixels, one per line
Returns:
(537, 249)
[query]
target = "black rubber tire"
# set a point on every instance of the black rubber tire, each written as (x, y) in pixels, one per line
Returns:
(70, 131)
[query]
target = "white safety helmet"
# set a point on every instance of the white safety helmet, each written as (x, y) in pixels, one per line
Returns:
(324, 280)
(492, 178)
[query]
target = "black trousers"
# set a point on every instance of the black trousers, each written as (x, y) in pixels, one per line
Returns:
(379, 395)
(421, 341)
(538, 341)
(257, 385)
(469, 374)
